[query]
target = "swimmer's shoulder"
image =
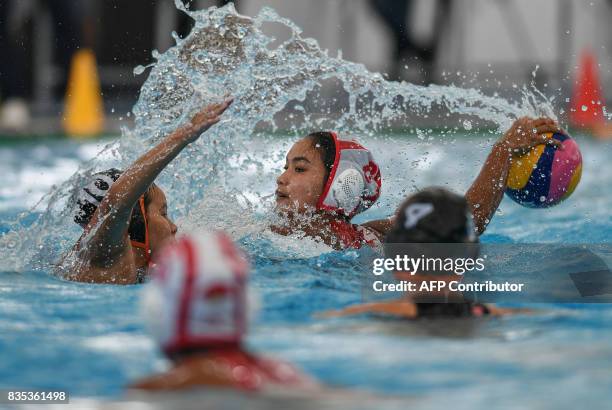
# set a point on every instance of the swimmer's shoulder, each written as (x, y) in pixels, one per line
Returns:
(379, 227)
(370, 237)
(370, 234)
(188, 374)
(77, 265)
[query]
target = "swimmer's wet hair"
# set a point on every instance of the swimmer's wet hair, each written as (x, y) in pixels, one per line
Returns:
(433, 215)
(92, 195)
(323, 141)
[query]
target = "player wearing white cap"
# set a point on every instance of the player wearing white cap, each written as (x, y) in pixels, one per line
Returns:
(197, 306)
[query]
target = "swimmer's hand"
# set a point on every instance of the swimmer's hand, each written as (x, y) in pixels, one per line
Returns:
(527, 133)
(203, 120)
(498, 311)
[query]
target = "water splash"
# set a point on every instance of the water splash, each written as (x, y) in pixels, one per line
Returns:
(291, 84)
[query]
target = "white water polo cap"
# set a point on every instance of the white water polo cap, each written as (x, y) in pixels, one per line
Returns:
(354, 181)
(197, 294)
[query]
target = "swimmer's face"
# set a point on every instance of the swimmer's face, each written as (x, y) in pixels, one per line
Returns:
(299, 187)
(161, 228)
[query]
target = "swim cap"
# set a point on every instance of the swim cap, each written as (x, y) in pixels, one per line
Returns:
(433, 215)
(197, 294)
(90, 197)
(354, 181)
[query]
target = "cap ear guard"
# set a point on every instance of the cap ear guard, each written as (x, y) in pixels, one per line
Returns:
(347, 189)
(354, 181)
(138, 229)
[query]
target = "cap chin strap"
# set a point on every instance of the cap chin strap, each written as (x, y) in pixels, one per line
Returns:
(145, 246)
(353, 184)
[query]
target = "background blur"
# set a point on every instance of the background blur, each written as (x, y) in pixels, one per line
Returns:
(493, 45)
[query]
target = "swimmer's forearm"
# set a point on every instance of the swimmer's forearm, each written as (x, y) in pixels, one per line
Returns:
(381, 226)
(487, 190)
(394, 308)
(139, 176)
(347, 311)
(115, 210)
(135, 180)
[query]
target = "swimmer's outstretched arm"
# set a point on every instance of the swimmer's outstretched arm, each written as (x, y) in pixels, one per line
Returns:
(391, 308)
(487, 190)
(405, 309)
(113, 214)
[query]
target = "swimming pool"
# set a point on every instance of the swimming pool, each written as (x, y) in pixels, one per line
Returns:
(89, 339)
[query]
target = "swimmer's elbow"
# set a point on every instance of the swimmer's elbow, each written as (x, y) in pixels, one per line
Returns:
(480, 221)
(480, 227)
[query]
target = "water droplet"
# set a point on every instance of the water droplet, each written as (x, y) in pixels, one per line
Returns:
(542, 198)
(467, 125)
(584, 108)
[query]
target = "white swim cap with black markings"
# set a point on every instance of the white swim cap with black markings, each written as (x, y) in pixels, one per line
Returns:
(90, 196)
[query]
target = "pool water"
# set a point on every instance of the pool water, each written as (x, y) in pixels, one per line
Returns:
(90, 341)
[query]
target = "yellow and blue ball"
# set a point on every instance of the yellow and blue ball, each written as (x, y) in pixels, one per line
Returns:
(545, 176)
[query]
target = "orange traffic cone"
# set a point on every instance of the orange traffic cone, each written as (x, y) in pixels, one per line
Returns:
(586, 109)
(83, 110)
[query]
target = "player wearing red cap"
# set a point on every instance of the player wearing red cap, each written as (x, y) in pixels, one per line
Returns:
(328, 180)
(196, 306)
